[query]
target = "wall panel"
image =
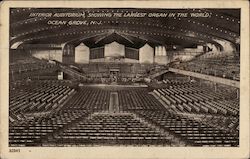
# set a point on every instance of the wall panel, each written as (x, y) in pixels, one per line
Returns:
(146, 54)
(82, 54)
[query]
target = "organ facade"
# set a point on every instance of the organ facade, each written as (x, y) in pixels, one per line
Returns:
(82, 54)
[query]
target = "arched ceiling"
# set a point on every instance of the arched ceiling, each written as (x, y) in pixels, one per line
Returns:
(222, 24)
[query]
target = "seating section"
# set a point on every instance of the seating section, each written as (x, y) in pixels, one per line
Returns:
(190, 98)
(138, 99)
(128, 72)
(90, 98)
(193, 132)
(37, 131)
(57, 113)
(38, 97)
(221, 122)
(32, 68)
(171, 82)
(29, 64)
(112, 129)
(125, 68)
(221, 66)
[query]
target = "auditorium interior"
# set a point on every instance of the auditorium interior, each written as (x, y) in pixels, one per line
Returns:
(131, 81)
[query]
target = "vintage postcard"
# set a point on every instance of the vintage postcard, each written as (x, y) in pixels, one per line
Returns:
(124, 79)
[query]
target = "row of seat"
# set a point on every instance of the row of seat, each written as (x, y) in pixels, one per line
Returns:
(129, 98)
(138, 99)
(226, 123)
(197, 100)
(82, 121)
(29, 64)
(123, 67)
(37, 97)
(226, 67)
(112, 129)
(34, 131)
(193, 132)
(89, 98)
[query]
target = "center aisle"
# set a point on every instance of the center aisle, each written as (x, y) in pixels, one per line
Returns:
(113, 102)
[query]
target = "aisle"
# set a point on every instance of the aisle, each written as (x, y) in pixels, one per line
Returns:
(113, 102)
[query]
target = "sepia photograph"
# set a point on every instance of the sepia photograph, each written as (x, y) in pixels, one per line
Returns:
(123, 76)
